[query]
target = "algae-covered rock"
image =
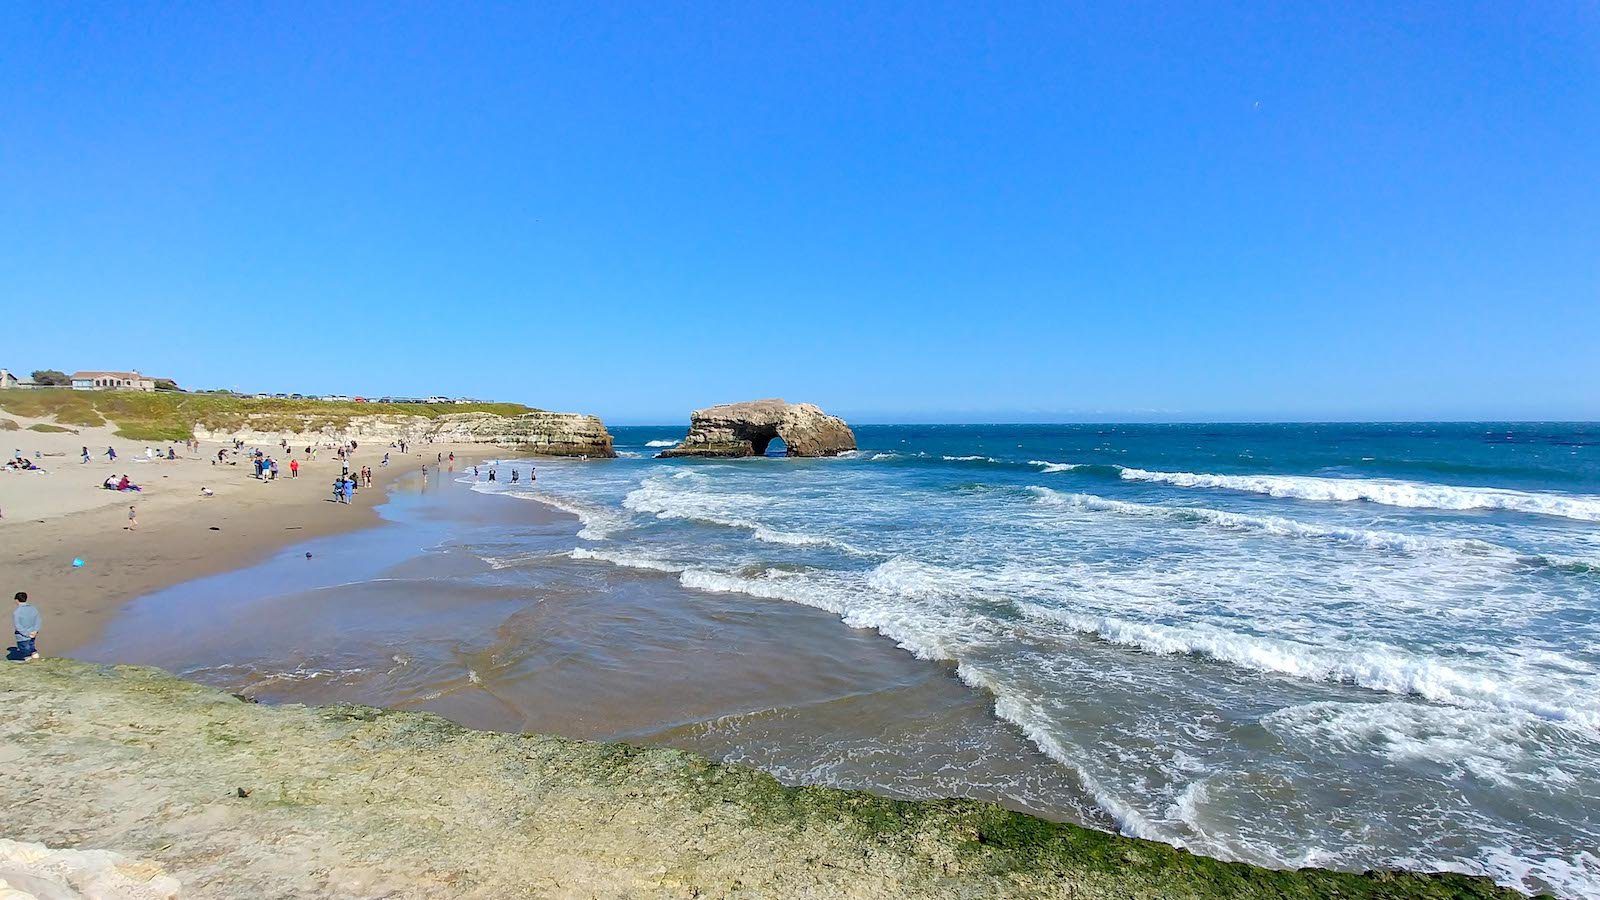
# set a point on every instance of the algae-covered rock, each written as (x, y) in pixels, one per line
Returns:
(248, 800)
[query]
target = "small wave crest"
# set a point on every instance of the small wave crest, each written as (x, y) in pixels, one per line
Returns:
(660, 443)
(1048, 466)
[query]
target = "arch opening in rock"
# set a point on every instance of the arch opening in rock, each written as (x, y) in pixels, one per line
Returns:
(750, 429)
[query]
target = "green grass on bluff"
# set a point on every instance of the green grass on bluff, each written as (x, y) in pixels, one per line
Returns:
(171, 416)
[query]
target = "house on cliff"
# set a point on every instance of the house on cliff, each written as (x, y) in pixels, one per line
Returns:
(9, 380)
(112, 381)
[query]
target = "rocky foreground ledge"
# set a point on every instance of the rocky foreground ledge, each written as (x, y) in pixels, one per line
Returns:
(234, 799)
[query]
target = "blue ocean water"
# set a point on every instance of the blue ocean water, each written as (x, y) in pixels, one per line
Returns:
(1343, 645)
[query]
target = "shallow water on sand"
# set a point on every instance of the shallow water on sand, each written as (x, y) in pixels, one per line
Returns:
(420, 614)
(1352, 646)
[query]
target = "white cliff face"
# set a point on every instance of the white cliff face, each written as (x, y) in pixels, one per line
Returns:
(745, 429)
(545, 433)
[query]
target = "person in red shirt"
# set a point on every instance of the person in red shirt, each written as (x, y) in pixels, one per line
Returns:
(294, 468)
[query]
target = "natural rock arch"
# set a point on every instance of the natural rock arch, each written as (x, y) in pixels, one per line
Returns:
(748, 429)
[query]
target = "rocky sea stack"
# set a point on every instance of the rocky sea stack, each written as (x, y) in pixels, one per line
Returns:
(746, 429)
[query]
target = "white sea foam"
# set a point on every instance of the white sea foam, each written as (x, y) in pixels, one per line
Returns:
(933, 635)
(1277, 525)
(626, 560)
(1383, 669)
(1490, 745)
(1575, 877)
(599, 523)
(660, 443)
(973, 458)
(1413, 494)
(511, 562)
(310, 674)
(668, 501)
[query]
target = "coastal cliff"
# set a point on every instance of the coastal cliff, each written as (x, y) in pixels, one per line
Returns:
(538, 432)
(235, 799)
(176, 416)
(746, 429)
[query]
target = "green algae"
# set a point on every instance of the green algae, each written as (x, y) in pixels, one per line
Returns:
(390, 783)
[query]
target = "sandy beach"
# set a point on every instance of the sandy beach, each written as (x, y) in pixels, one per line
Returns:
(49, 518)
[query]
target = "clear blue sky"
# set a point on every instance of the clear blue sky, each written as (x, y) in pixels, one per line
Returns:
(915, 211)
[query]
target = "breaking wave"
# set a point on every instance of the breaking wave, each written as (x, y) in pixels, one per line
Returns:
(1412, 494)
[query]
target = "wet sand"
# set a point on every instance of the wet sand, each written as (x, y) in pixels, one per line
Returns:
(469, 606)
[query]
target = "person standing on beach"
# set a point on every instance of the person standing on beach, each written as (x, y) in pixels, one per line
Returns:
(133, 517)
(86, 456)
(111, 454)
(25, 621)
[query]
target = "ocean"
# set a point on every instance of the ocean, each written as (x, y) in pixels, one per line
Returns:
(1343, 645)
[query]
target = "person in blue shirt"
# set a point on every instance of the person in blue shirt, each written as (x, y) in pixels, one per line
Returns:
(25, 622)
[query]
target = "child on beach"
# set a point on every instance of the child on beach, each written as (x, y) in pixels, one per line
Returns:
(133, 519)
(25, 621)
